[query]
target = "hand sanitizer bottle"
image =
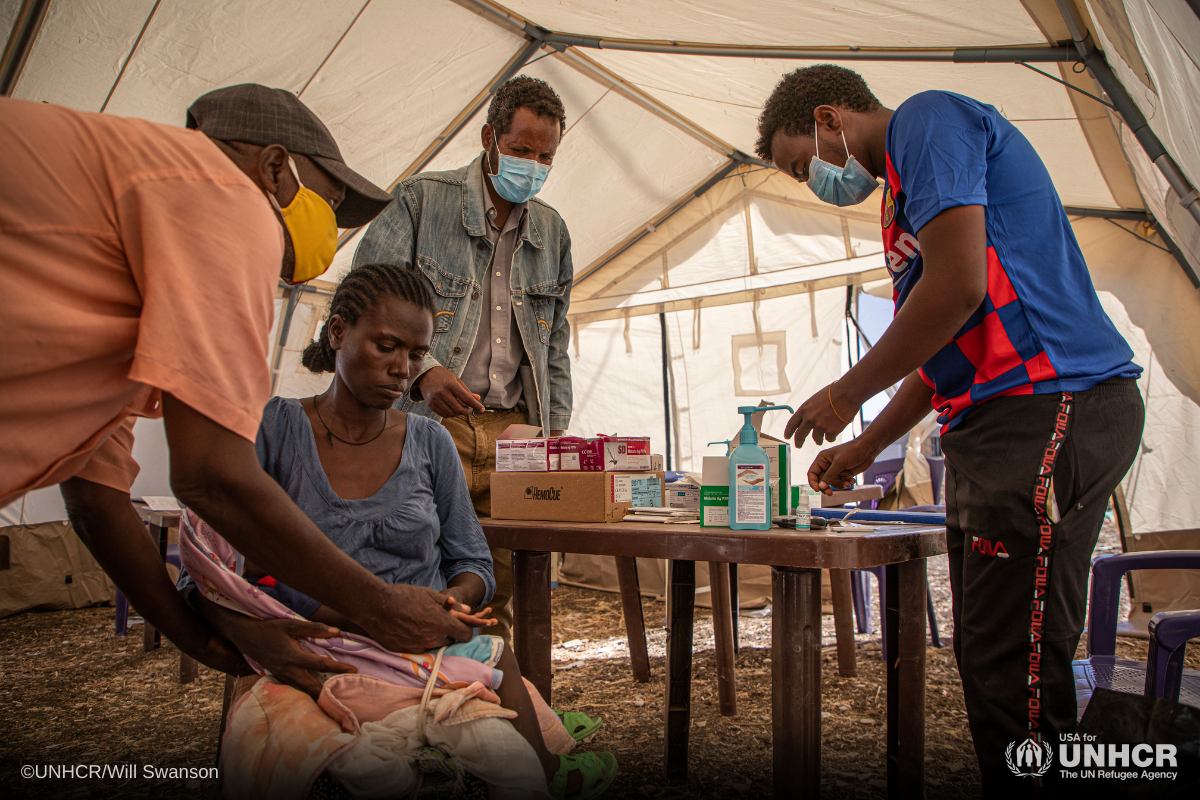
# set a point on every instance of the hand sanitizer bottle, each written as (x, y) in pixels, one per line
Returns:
(750, 477)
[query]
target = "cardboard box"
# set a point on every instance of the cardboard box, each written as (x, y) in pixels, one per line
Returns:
(714, 492)
(683, 493)
(577, 454)
(656, 462)
(574, 496)
(627, 453)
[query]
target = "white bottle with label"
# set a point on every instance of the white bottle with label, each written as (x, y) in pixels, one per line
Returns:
(803, 510)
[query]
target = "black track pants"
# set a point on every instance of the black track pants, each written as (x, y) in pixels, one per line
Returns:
(1019, 571)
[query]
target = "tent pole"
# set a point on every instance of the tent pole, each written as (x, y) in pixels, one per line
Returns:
(459, 122)
(20, 43)
(649, 228)
(961, 55)
(607, 77)
(1100, 70)
(285, 327)
(1108, 213)
(666, 370)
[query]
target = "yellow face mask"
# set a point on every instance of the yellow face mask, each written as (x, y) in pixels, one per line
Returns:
(313, 227)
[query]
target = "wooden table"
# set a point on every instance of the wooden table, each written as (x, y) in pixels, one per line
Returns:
(797, 558)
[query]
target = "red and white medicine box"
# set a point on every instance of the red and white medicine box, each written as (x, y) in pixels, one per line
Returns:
(576, 454)
(626, 453)
(523, 455)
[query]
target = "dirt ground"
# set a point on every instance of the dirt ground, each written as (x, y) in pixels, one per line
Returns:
(72, 693)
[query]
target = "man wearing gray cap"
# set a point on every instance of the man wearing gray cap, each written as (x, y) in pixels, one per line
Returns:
(140, 263)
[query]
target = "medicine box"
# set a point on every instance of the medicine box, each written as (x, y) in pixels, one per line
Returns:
(683, 493)
(626, 453)
(714, 492)
(523, 455)
(576, 454)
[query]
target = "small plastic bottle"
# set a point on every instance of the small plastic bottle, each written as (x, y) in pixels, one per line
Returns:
(803, 510)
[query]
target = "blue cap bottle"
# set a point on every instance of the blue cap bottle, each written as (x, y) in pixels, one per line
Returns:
(750, 477)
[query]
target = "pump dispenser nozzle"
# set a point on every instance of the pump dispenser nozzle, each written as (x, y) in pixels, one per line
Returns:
(748, 435)
(727, 442)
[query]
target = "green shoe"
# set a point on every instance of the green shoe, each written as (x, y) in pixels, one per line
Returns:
(579, 725)
(598, 772)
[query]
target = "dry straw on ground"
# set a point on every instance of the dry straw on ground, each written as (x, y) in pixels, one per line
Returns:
(71, 693)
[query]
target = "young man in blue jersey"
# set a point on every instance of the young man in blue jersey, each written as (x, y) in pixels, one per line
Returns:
(999, 329)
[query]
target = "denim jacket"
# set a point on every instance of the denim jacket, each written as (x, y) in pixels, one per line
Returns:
(436, 223)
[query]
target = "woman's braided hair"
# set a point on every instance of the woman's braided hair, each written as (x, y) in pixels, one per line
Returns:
(360, 290)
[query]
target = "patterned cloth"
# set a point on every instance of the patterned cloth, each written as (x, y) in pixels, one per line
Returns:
(210, 560)
(363, 728)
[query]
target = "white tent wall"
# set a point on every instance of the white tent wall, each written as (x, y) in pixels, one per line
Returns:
(389, 76)
(618, 381)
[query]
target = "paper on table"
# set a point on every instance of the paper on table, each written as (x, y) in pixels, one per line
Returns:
(166, 503)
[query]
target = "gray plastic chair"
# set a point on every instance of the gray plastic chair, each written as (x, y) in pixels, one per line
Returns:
(1163, 674)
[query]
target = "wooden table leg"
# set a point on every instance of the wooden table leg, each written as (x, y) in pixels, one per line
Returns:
(635, 625)
(733, 601)
(151, 638)
(531, 617)
(682, 594)
(189, 670)
(796, 681)
(718, 579)
(843, 621)
(904, 624)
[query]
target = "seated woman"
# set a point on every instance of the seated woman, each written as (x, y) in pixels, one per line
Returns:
(388, 488)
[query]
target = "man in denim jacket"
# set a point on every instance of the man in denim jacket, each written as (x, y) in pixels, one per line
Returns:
(499, 261)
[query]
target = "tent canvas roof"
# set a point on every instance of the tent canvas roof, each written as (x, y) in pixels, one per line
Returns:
(403, 85)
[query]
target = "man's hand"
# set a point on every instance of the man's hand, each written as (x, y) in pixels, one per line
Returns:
(220, 655)
(414, 619)
(446, 395)
(274, 644)
(817, 416)
(836, 467)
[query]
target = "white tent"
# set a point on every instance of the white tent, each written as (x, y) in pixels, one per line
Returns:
(687, 252)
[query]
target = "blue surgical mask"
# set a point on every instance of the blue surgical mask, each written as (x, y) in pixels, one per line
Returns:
(517, 180)
(839, 186)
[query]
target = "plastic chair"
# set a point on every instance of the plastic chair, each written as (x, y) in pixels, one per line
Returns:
(860, 593)
(882, 473)
(1163, 674)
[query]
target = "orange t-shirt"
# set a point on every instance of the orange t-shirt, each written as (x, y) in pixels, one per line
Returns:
(136, 259)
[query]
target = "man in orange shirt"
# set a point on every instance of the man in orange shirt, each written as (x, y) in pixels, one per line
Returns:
(140, 264)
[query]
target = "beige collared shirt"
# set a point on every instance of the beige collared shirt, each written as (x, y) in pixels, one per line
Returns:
(491, 370)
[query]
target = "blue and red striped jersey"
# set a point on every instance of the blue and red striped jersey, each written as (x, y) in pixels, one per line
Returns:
(1041, 327)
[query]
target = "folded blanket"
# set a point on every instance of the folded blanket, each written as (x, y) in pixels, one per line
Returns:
(363, 729)
(210, 560)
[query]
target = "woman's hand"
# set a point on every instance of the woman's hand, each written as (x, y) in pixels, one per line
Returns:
(817, 416)
(837, 466)
(275, 645)
(462, 613)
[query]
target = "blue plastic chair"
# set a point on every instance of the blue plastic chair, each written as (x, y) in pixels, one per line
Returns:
(1163, 674)
(860, 594)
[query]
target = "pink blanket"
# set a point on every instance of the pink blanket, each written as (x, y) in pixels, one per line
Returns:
(210, 561)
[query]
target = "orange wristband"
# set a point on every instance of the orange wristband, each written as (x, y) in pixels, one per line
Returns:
(833, 407)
